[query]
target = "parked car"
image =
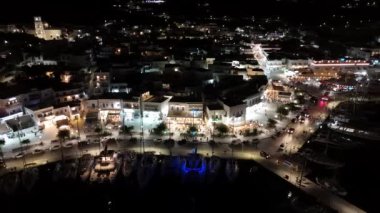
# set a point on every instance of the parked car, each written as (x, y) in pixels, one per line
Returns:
(182, 142)
(83, 143)
(68, 145)
(55, 146)
(265, 155)
(157, 140)
(290, 130)
(37, 151)
(19, 155)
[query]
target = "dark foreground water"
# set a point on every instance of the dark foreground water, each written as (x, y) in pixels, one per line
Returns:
(259, 191)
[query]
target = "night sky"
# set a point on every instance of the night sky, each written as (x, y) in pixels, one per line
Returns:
(79, 11)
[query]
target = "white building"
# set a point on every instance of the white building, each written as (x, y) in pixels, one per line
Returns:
(186, 111)
(44, 31)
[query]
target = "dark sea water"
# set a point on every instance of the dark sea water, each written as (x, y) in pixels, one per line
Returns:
(260, 191)
(360, 174)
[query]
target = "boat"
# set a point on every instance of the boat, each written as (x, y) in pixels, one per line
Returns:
(336, 141)
(10, 183)
(232, 169)
(300, 204)
(57, 172)
(69, 169)
(193, 167)
(146, 168)
(320, 158)
(129, 164)
(29, 177)
(84, 166)
(106, 167)
(170, 165)
(214, 165)
(331, 185)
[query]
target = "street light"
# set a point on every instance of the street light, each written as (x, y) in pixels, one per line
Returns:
(77, 119)
(142, 123)
(19, 138)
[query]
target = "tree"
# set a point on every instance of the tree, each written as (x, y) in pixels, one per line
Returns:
(160, 129)
(222, 129)
(169, 143)
(192, 130)
(98, 129)
(300, 99)
(25, 141)
(63, 134)
(291, 106)
(282, 111)
(127, 130)
(255, 132)
(271, 123)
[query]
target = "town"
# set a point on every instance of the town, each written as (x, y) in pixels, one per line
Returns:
(215, 86)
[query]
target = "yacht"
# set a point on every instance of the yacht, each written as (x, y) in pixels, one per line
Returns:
(70, 169)
(106, 167)
(214, 165)
(146, 168)
(232, 169)
(193, 167)
(170, 165)
(337, 141)
(84, 166)
(331, 185)
(10, 183)
(130, 162)
(320, 158)
(57, 172)
(29, 177)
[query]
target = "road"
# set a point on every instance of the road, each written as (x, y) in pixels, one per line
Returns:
(225, 150)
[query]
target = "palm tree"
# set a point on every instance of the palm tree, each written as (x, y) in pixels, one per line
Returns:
(169, 143)
(222, 129)
(63, 134)
(127, 130)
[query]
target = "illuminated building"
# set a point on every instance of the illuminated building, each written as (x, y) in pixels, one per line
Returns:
(43, 30)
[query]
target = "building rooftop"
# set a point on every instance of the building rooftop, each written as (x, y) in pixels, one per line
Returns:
(232, 101)
(157, 99)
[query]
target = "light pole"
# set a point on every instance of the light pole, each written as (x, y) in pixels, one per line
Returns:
(19, 138)
(170, 136)
(142, 124)
(301, 174)
(77, 119)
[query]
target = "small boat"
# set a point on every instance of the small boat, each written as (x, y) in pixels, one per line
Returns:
(146, 169)
(193, 168)
(106, 167)
(232, 169)
(29, 177)
(130, 162)
(84, 166)
(10, 183)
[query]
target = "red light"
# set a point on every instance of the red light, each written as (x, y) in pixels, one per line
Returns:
(322, 103)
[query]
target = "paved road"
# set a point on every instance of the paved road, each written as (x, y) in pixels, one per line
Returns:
(224, 150)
